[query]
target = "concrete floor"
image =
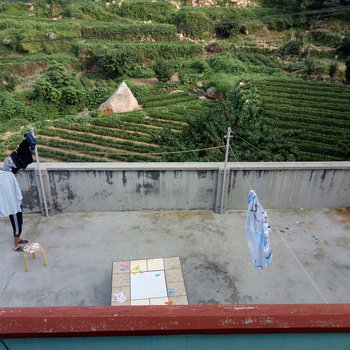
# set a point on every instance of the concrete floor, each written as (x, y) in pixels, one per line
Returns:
(213, 250)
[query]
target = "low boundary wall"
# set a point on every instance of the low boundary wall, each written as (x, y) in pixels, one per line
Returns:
(72, 187)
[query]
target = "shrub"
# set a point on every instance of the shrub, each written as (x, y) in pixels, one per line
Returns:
(11, 107)
(309, 66)
(159, 11)
(291, 48)
(59, 76)
(326, 38)
(140, 91)
(332, 70)
(347, 70)
(140, 71)
(186, 76)
(71, 95)
(226, 29)
(214, 47)
(44, 89)
(344, 48)
(9, 81)
(200, 66)
(117, 61)
(163, 71)
(193, 23)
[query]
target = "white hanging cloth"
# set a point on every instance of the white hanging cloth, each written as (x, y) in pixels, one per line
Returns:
(10, 194)
(257, 232)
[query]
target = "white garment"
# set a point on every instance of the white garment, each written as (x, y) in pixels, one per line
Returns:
(257, 232)
(10, 194)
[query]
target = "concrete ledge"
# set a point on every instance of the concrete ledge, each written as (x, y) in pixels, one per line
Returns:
(72, 187)
(164, 320)
(194, 166)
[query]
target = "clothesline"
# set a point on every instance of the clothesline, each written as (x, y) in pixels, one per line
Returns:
(284, 241)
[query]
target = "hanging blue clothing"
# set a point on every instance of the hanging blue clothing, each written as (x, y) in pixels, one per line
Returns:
(257, 232)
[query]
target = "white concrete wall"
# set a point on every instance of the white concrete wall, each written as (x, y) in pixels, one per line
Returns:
(72, 187)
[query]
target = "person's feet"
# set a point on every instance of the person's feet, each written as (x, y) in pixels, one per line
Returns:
(18, 249)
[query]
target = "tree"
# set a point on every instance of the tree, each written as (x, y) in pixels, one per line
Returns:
(163, 71)
(252, 140)
(118, 60)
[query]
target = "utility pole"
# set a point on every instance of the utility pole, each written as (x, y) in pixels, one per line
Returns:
(228, 136)
(40, 175)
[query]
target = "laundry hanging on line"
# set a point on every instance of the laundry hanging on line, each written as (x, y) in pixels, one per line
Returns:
(257, 233)
(22, 157)
(11, 195)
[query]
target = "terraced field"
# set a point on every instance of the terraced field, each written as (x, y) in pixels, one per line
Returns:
(319, 112)
(122, 137)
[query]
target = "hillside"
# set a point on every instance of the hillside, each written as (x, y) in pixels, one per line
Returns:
(276, 72)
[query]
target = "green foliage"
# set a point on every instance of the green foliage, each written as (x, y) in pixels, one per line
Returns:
(332, 70)
(347, 71)
(140, 71)
(71, 95)
(247, 107)
(11, 107)
(141, 92)
(309, 66)
(59, 75)
(158, 11)
(279, 23)
(227, 29)
(326, 38)
(163, 71)
(88, 53)
(344, 48)
(291, 48)
(46, 90)
(193, 23)
(117, 61)
(131, 32)
(95, 96)
(8, 80)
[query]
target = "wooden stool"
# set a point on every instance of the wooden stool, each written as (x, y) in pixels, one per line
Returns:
(32, 248)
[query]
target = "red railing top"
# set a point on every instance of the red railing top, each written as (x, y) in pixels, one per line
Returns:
(162, 320)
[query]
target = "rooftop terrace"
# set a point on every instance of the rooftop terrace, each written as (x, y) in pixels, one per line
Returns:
(310, 256)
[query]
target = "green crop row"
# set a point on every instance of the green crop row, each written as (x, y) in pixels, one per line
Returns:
(310, 115)
(146, 50)
(164, 97)
(131, 32)
(159, 113)
(131, 131)
(276, 95)
(325, 94)
(169, 101)
(86, 149)
(316, 137)
(256, 59)
(341, 111)
(275, 122)
(301, 85)
(310, 146)
(106, 131)
(316, 157)
(66, 157)
(98, 140)
(150, 122)
(73, 157)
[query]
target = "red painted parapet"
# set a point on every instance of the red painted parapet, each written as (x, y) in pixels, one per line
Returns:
(87, 321)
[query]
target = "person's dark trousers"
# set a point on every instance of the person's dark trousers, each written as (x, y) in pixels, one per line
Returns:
(17, 222)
